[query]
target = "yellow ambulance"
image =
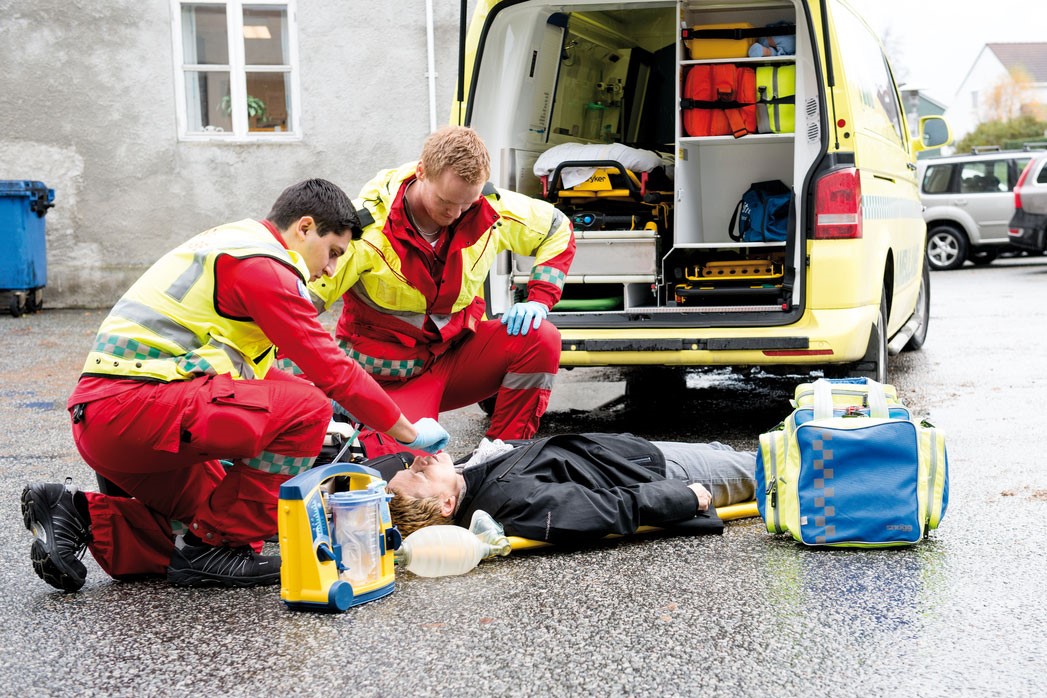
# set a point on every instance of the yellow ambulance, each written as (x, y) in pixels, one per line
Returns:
(740, 176)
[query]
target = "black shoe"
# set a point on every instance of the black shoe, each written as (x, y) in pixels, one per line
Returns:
(206, 565)
(61, 534)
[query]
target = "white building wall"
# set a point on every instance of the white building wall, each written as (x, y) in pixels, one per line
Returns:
(89, 108)
(967, 108)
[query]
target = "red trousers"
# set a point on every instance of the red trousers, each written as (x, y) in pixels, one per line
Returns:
(519, 370)
(161, 443)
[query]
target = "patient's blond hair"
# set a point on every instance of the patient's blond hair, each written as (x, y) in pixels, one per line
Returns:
(411, 513)
(459, 149)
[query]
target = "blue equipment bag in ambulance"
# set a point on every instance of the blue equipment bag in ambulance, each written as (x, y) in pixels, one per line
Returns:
(763, 214)
(851, 468)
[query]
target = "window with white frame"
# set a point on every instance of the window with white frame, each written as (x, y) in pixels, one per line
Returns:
(237, 74)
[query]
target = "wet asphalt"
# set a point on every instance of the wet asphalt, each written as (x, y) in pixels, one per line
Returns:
(743, 614)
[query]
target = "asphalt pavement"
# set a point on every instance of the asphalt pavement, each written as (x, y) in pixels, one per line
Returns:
(743, 614)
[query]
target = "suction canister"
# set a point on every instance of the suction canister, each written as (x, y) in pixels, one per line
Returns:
(336, 538)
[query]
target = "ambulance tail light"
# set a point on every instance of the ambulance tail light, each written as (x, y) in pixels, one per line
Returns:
(838, 206)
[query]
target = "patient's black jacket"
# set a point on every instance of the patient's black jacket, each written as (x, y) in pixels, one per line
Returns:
(573, 488)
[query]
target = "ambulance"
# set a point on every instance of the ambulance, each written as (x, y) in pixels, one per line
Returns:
(740, 175)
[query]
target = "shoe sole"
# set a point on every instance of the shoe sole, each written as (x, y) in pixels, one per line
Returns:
(47, 563)
(192, 578)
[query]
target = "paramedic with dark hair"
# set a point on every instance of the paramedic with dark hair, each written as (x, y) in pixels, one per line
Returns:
(573, 488)
(180, 375)
(412, 308)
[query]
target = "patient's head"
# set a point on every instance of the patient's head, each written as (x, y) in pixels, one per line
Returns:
(424, 494)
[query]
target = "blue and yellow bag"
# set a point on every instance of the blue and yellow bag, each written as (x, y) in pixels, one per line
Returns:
(851, 468)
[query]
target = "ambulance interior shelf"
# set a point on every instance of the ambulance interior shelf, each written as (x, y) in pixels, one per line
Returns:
(736, 71)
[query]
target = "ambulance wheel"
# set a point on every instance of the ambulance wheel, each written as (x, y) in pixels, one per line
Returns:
(874, 363)
(922, 311)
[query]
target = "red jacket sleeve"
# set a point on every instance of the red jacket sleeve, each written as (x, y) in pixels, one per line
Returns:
(272, 296)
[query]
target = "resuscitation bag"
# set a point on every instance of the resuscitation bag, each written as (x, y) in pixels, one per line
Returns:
(851, 468)
(763, 214)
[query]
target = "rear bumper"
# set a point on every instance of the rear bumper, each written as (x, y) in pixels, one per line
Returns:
(1028, 231)
(820, 337)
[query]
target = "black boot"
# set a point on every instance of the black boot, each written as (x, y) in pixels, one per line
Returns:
(198, 564)
(62, 531)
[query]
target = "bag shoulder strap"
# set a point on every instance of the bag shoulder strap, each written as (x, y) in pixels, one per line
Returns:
(734, 229)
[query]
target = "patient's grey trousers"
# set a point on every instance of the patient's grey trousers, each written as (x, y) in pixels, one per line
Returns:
(726, 473)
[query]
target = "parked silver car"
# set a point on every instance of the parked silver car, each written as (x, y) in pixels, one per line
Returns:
(968, 203)
(1028, 226)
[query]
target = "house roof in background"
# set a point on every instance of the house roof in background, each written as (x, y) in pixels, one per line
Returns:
(1030, 56)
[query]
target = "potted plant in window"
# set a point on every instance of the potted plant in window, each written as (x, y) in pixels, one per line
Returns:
(255, 107)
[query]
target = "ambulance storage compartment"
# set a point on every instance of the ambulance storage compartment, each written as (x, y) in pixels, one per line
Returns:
(727, 95)
(606, 84)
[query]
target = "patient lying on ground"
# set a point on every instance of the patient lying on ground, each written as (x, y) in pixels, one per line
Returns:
(571, 488)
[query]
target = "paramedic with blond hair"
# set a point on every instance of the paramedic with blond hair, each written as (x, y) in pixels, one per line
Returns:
(413, 315)
(180, 375)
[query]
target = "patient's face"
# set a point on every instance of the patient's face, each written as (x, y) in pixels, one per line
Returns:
(427, 476)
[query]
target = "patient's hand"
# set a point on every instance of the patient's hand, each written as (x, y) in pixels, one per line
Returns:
(705, 497)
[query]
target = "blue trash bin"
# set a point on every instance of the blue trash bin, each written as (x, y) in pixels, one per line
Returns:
(23, 263)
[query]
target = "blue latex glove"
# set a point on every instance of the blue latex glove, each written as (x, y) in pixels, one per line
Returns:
(524, 316)
(431, 438)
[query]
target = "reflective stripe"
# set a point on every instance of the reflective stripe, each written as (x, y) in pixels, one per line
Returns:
(387, 368)
(187, 278)
(441, 320)
(126, 348)
(159, 324)
(550, 275)
(558, 220)
(416, 320)
(523, 381)
(171, 331)
(195, 270)
(774, 484)
(930, 433)
(279, 465)
(236, 358)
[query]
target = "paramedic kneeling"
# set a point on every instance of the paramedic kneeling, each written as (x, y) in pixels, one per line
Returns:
(573, 488)
(180, 375)
(412, 308)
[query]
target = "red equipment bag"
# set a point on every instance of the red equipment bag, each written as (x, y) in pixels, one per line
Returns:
(719, 99)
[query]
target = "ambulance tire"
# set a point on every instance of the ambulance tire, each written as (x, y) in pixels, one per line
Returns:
(874, 363)
(922, 311)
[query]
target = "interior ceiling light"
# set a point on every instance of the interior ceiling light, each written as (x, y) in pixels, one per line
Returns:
(256, 31)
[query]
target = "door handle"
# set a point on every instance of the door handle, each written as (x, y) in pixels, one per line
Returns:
(911, 166)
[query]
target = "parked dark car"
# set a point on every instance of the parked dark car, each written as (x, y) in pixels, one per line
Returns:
(1028, 227)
